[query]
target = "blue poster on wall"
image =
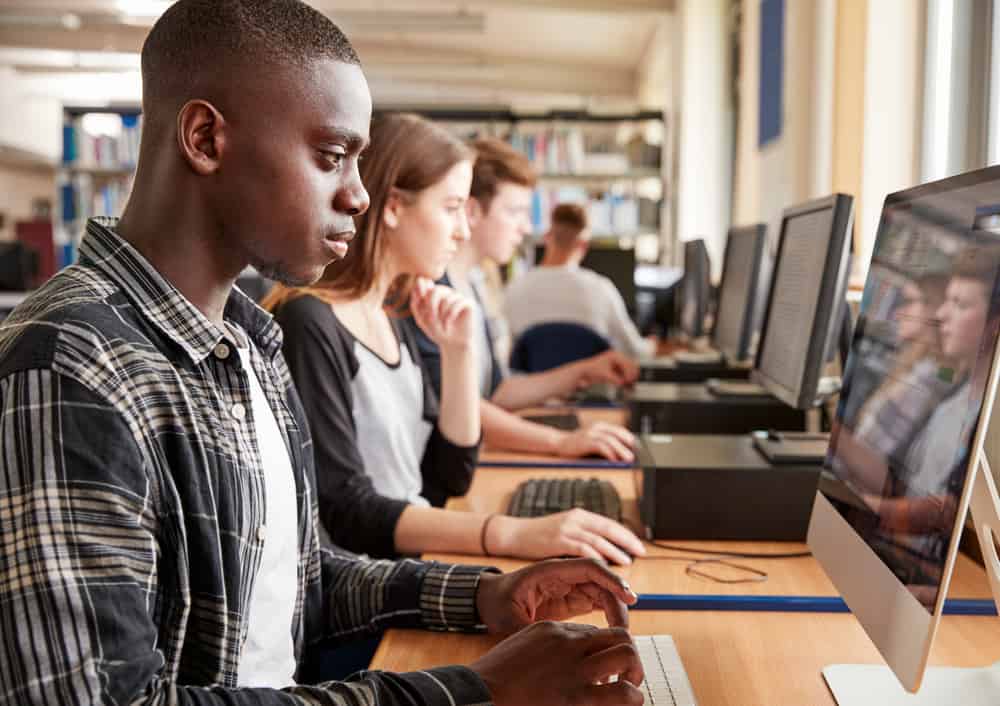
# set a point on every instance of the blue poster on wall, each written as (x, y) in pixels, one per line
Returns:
(772, 59)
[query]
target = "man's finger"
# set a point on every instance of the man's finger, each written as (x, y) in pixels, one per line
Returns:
(621, 660)
(580, 548)
(620, 450)
(621, 693)
(577, 571)
(614, 610)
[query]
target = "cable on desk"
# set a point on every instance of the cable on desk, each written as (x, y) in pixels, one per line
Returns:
(731, 555)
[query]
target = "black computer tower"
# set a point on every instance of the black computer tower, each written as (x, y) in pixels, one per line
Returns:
(720, 488)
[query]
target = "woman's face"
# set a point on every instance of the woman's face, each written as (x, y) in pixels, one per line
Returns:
(913, 317)
(432, 226)
(963, 318)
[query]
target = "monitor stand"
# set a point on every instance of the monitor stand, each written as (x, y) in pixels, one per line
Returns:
(862, 684)
(781, 447)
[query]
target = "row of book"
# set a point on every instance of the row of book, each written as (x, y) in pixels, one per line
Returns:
(609, 214)
(85, 149)
(81, 197)
(568, 150)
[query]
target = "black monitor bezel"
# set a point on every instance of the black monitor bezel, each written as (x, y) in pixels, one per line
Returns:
(759, 232)
(833, 288)
(704, 288)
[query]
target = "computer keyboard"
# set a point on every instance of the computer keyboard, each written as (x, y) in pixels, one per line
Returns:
(706, 357)
(666, 682)
(601, 393)
(566, 422)
(544, 496)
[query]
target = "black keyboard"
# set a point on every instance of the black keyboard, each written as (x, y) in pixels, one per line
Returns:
(544, 496)
(566, 422)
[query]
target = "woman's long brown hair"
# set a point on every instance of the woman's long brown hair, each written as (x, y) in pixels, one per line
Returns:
(407, 155)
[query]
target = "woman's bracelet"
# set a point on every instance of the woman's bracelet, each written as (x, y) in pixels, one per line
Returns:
(482, 533)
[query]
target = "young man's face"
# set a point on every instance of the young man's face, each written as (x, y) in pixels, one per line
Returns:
(291, 178)
(497, 231)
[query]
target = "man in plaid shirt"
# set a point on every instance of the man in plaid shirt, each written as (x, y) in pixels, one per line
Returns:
(151, 441)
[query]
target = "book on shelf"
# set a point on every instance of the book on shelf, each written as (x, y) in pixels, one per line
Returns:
(569, 150)
(88, 149)
(609, 213)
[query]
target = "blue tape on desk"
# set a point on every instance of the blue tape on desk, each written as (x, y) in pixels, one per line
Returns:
(788, 604)
(594, 463)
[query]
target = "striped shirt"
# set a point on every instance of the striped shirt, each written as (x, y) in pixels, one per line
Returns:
(132, 506)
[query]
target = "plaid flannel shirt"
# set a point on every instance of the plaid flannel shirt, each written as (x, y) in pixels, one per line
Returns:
(132, 506)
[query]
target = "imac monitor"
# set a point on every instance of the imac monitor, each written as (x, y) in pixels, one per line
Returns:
(804, 307)
(906, 452)
(695, 289)
(741, 280)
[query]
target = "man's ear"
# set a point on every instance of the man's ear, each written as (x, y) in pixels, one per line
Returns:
(474, 212)
(201, 136)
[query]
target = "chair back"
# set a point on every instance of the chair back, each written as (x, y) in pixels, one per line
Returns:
(546, 346)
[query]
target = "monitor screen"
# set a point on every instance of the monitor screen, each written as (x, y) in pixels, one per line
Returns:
(918, 367)
(806, 298)
(695, 287)
(618, 265)
(738, 291)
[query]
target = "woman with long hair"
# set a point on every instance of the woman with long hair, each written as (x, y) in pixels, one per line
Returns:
(387, 450)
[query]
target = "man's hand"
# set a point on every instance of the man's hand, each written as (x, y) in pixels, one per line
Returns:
(446, 316)
(611, 441)
(557, 589)
(609, 366)
(558, 664)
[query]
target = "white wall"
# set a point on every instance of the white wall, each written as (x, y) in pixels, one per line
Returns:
(795, 166)
(893, 95)
(704, 178)
(30, 122)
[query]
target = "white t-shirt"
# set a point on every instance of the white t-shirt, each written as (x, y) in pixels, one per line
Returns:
(573, 294)
(268, 658)
(388, 415)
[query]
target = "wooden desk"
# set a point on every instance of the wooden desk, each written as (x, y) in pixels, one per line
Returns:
(737, 659)
(742, 659)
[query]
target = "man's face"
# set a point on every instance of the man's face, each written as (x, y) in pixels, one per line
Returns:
(497, 231)
(291, 183)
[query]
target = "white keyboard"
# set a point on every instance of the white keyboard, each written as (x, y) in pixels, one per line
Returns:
(666, 682)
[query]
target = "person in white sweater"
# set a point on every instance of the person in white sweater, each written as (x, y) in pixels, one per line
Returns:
(558, 289)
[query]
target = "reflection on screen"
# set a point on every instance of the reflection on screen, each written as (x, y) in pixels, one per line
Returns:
(795, 296)
(914, 387)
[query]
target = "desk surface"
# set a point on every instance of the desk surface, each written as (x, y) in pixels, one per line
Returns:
(741, 659)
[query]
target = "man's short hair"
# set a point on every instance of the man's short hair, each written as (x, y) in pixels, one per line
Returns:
(498, 163)
(196, 43)
(569, 220)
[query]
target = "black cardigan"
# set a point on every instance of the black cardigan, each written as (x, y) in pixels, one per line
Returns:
(320, 355)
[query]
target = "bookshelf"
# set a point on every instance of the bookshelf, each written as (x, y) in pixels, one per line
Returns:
(99, 153)
(612, 163)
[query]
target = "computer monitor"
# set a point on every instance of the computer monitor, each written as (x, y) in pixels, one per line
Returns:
(695, 290)
(741, 279)
(618, 265)
(804, 307)
(906, 456)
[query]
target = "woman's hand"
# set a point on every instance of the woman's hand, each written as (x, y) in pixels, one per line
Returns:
(571, 533)
(446, 316)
